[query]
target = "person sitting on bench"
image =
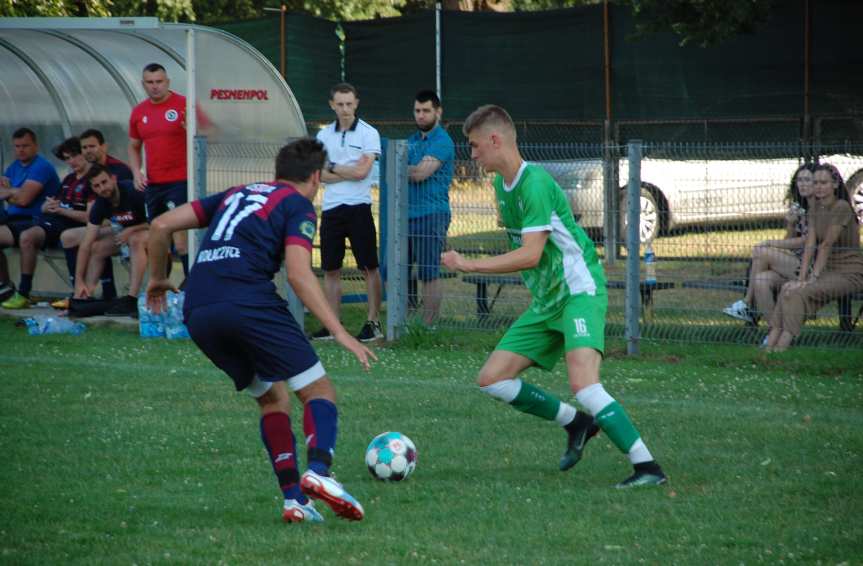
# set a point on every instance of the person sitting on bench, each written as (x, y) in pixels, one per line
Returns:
(775, 262)
(834, 243)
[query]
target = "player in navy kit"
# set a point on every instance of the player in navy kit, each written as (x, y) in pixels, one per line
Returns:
(236, 317)
(123, 206)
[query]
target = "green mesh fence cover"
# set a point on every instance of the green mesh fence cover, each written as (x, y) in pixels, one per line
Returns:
(751, 75)
(837, 58)
(536, 65)
(389, 60)
(546, 68)
(313, 62)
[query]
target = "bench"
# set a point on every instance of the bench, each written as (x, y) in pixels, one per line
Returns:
(354, 274)
(484, 307)
(846, 321)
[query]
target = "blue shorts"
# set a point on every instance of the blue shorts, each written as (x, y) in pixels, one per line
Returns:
(162, 197)
(426, 238)
(247, 342)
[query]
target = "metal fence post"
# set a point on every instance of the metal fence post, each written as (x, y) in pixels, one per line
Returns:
(397, 237)
(200, 188)
(609, 187)
(633, 209)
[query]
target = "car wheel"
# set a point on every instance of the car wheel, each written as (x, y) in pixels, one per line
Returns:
(855, 191)
(648, 217)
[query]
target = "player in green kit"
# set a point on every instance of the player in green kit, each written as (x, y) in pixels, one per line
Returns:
(567, 314)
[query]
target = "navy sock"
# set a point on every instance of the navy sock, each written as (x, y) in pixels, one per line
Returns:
(321, 425)
(71, 262)
(280, 443)
(184, 259)
(26, 284)
(109, 290)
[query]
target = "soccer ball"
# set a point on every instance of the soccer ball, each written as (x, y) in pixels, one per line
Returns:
(391, 456)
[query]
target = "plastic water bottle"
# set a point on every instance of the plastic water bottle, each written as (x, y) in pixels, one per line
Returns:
(174, 327)
(649, 266)
(150, 325)
(124, 249)
(41, 324)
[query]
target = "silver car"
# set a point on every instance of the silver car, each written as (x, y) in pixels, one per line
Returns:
(678, 193)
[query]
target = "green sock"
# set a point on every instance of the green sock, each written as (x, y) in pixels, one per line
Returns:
(614, 422)
(533, 400)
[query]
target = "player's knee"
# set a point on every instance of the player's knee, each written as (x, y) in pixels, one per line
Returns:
(319, 389)
(762, 280)
(488, 376)
(27, 240)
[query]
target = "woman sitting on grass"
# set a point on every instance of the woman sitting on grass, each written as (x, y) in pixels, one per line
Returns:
(833, 241)
(775, 262)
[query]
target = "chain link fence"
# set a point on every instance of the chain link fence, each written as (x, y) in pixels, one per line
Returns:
(703, 209)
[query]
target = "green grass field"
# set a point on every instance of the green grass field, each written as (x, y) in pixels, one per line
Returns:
(124, 451)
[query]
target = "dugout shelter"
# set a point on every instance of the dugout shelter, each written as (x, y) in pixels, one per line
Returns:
(60, 76)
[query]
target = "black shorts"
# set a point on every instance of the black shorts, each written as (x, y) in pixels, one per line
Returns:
(246, 341)
(355, 223)
(162, 197)
(18, 224)
(53, 227)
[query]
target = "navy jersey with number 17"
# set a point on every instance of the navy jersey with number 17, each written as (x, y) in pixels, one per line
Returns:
(249, 227)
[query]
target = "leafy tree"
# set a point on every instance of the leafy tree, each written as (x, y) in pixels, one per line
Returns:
(702, 22)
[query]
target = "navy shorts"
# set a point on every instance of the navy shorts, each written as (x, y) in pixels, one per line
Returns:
(426, 239)
(53, 227)
(246, 342)
(355, 223)
(162, 197)
(17, 224)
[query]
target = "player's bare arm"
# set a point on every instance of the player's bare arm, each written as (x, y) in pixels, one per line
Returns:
(358, 171)
(126, 234)
(135, 163)
(158, 247)
(305, 284)
(525, 257)
(424, 169)
(25, 194)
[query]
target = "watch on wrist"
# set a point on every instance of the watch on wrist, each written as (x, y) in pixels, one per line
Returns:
(332, 168)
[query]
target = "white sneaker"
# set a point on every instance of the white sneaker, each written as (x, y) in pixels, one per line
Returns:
(296, 512)
(739, 310)
(333, 494)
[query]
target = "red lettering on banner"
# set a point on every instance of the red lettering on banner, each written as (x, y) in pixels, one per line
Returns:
(238, 94)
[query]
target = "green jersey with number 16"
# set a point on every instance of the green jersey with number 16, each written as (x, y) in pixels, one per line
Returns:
(569, 264)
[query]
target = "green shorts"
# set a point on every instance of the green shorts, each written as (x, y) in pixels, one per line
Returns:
(543, 338)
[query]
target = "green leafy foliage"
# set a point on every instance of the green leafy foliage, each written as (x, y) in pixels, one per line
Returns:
(700, 22)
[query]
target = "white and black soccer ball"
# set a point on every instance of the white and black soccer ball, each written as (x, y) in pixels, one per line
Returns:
(391, 456)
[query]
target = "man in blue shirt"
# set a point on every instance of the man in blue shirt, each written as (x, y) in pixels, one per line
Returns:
(23, 186)
(430, 169)
(238, 319)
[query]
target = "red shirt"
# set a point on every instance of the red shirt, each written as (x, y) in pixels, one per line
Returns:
(162, 128)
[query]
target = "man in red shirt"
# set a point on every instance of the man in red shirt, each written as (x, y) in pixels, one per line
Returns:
(158, 124)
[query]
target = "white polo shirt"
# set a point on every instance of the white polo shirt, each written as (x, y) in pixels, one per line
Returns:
(346, 147)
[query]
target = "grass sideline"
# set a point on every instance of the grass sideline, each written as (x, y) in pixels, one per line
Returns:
(121, 450)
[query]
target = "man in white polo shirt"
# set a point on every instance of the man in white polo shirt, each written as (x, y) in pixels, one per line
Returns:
(352, 147)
